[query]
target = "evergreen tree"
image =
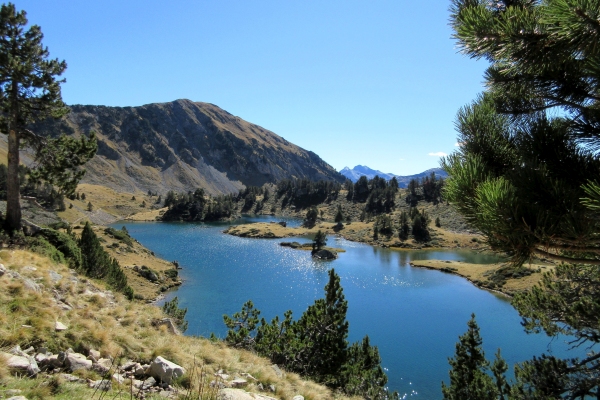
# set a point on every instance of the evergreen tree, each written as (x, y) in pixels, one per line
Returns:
(468, 377)
(30, 91)
(241, 326)
(171, 308)
(362, 374)
(311, 216)
(319, 241)
(339, 216)
(526, 172)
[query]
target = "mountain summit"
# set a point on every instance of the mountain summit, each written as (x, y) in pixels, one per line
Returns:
(362, 170)
(183, 145)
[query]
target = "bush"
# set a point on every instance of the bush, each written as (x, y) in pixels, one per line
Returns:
(66, 244)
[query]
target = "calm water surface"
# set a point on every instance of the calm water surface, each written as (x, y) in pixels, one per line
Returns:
(413, 315)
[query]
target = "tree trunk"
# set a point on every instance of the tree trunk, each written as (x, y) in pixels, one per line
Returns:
(13, 207)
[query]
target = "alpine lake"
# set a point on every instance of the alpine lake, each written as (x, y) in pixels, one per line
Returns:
(413, 315)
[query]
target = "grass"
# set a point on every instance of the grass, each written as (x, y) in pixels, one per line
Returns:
(117, 328)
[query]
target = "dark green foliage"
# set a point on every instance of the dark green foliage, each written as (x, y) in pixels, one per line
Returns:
(311, 216)
(90, 207)
(339, 216)
(319, 241)
(41, 246)
(304, 193)
(29, 92)
(66, 244)
(469, 378)
(378, 194)
(420, 222)
(428, 189)
(437, 222)
(241, 326)
(198, 206)
(526, 171)
(46, 194)
(403, 228)
(171, 308)
(121, 235)
(383, 224)
(315, 345)
(362, 374)
(96, 263)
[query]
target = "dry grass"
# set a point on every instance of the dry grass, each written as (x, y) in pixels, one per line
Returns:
(114, 326)
(480, 274)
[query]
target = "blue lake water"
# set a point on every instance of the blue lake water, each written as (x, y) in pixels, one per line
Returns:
(413, 315)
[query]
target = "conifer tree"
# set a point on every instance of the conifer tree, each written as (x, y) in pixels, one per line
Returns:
(526, 174)
(29, 92)
(468, 377)
(319, 241)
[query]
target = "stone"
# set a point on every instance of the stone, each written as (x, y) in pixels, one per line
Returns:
(298, 397)
(165, 370)
(277, 370)
(59, 326)
(128, 365)
(17, 398)
(75, 361)
(29, 350)
(72, 378)
(31, 285)
(39, 358)
(139, 371)
(94, 354)
(120, 379)
(103, 365)
(12, 392)
(234, 394)
(238, 382)
(171, 327)
(2, 270)
(222, 376)
(148, 383)
(25, 364)
(54, 276)
(324, 254)
(102, 384)
(52, 361)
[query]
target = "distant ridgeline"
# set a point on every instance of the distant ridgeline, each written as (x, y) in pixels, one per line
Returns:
(355, 173)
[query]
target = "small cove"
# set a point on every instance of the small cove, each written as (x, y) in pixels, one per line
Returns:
(413, 315)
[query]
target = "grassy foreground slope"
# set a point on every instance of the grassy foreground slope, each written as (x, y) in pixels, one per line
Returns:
(105, 321)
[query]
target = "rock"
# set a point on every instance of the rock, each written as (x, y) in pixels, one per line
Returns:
(139, 371)
(17, 398)
(26, 364)
(29, 350)
(277, 370)
(148, 383)
(43, 350)
(234, 394)
(75, 361)
(2, 270)
(54, 276)
(103, 365)
(165, 370)
(39, 358)
(222, 376)
(147, 273)
(120, 379)
(171, 327)
(238, 382)
(283, 223)
(102, 384)
(12, 392)
(72, 378)
(31, 285)
(247, 375)
(324, 254)
(52, 361)
(128, 365)
(298, 397)
(272, 388)
(94, 354)
(29, 268)
(59, 326)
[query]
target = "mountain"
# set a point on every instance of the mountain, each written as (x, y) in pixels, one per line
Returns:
(183, 145)
(361, 170)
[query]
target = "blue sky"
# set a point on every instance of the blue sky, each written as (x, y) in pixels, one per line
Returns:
(376, 83)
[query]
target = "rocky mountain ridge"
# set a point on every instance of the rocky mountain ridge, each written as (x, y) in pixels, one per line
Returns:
(362, 170)
(183, 145)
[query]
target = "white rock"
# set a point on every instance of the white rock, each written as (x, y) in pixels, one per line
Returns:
(94, 354)
(120, 379)
(234, 394)
(298, 397)
(17, 398)
(2, 269)
(22, 363)
(238, 382)
(75, 361)
(165, 370)
(59, 326)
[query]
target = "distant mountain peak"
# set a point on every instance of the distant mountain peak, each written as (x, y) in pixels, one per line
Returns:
(355, 173)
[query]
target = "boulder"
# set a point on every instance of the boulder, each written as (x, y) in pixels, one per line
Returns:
(234, 394)
(2, 269)
(238, 382)
(59, 326)
(103, 384)
(103, 365)
(324, 254)
(75, 361)
(148, 383)
(23, 364)
(165, 370)
(298, 397)
(52, 361)
(94, 355)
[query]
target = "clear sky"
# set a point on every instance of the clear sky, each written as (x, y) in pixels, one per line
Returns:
(376, 83)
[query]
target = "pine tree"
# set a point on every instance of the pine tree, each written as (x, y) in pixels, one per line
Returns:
(171, 308)
(339, 216)
(319, 241)
(29, 92)
(468, 377)
(526, 174)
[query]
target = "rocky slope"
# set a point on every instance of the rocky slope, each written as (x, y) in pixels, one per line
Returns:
(183, 145)
(362, 170)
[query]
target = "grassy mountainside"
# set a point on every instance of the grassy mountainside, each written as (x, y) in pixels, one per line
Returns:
(183, 145)
(35, 293)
